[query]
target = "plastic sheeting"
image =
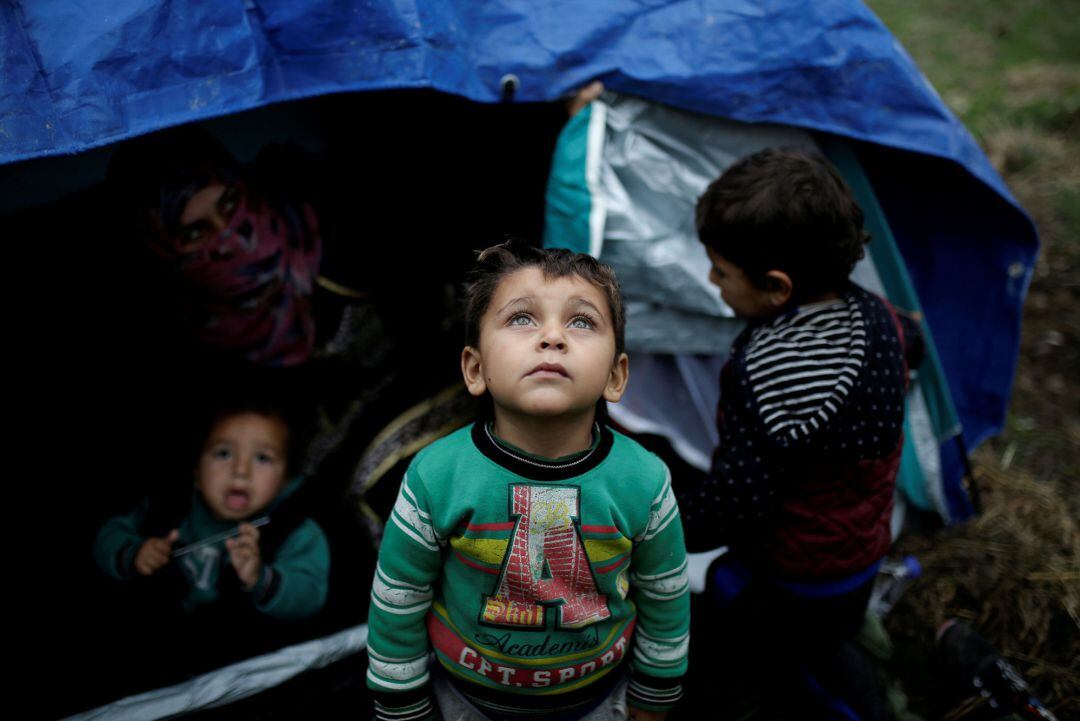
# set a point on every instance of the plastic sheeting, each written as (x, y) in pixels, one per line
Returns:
(232, 683)
(79, 75)
(650, 165)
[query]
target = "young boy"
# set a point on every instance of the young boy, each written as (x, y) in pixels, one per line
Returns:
(811, 412)
(534, 551)
(240, 477)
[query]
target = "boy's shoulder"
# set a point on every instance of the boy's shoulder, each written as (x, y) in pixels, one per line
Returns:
(445, 450)
(629, 450)
(867, 300)
(636, 459)
(814, 324)
(307, 537)
(797, 374)
(459, 441)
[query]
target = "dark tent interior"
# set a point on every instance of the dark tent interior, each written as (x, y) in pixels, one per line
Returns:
(407, 184)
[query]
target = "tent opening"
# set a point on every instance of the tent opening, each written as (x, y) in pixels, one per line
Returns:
(407, 184)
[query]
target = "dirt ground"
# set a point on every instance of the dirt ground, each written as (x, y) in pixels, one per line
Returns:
(1011, 71)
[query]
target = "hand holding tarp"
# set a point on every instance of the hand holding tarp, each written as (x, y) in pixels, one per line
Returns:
(583, 97)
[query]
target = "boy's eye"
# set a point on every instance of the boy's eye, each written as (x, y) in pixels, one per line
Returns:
(581, 321)
(221, 454)
(264, 458)
(520, 319)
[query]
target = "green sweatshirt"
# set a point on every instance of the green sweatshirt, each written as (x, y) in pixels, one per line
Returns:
(292, 584)
(532, 579)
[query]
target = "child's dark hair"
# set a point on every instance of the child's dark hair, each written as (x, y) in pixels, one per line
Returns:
(497, 262)
(240, 404)
(784, 209)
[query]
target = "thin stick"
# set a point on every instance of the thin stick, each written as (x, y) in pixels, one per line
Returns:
(1054, 576)
(216, 538)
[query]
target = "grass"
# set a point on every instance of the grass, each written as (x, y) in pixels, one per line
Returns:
(1011, 72)
(993, 60)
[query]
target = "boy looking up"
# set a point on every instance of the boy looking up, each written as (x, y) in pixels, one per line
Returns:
(810, 418)
(537, 552)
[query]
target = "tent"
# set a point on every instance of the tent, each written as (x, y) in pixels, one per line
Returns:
(624, 180)
(81, 76)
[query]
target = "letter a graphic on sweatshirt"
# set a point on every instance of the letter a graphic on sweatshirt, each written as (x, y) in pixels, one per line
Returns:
(545, 565)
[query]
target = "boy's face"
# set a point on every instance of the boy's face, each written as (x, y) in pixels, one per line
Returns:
(746, 299)
(242, 466)
(547, 347)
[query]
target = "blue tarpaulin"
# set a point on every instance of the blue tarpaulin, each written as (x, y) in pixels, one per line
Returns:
(81, 74)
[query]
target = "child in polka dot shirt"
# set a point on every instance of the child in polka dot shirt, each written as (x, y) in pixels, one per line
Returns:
(810, 424)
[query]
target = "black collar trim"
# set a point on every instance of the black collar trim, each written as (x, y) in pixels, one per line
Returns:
(539, 470)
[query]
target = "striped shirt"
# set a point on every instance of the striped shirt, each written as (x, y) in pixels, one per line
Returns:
(818, 390)
(803, 365)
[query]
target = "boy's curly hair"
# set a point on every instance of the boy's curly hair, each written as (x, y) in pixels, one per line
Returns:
(784, 209)
(495, 263)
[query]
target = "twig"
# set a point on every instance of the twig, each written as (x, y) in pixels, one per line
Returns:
(1052, 668)
(1054, 576)
(216, 538)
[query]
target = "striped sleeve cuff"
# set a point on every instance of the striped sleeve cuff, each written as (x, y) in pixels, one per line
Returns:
(414, 705)
(653, 693)
(397, 676)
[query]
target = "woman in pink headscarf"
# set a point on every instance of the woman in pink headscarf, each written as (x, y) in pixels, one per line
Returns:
(234, 253)
(241, 265)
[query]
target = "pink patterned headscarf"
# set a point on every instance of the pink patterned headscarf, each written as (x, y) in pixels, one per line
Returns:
(249, 288)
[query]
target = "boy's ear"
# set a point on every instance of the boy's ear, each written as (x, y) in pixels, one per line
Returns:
(472, 371)
(779, 287)
(620, 374)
